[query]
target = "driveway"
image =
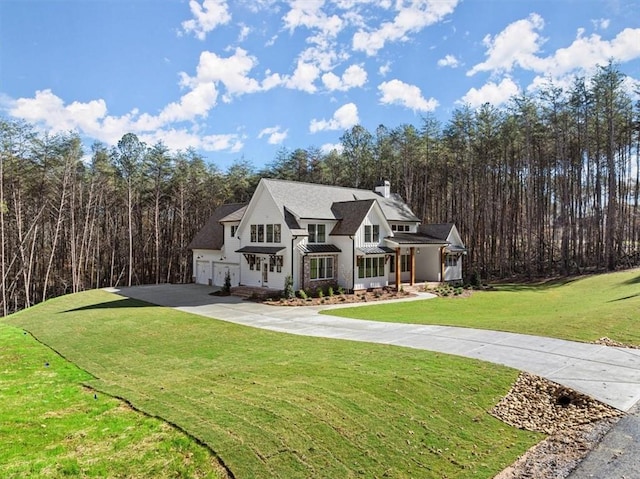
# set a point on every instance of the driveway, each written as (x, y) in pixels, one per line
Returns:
(611, 375)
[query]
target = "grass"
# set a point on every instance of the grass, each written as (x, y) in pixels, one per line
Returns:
(51, 426)
(277, 405)
(583, 309)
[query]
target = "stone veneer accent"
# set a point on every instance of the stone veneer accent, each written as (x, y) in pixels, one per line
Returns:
(312, 285)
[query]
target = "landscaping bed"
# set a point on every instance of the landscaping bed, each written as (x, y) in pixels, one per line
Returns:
(340, 298)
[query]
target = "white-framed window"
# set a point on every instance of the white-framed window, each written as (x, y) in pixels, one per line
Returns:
(401, 228)
(371, 233)
(275, 263)
(371, 267)
(253, 261)
(271, 233)
(451, 260)
(321, 267)
(317, 233)
(234, 230)
(405, 260)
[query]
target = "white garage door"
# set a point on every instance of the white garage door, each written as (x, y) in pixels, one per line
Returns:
(220, 270)
(203, 272)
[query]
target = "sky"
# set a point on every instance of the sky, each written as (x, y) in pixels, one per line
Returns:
(242, 79)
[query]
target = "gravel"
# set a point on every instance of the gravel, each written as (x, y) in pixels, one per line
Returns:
(574, 422)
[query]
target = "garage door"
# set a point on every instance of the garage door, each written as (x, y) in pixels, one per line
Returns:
(203, 272)
(220, 271)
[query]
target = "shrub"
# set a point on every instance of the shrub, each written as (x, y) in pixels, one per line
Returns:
(226, 287)
(320, 293)
(288, 291)
(302, 293)
(330, 291)
(340, 290)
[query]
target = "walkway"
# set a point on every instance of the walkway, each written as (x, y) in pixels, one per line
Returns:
(611, 375)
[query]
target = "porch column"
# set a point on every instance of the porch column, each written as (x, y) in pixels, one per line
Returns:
(397, 260)
(443, 256)
(412, 259)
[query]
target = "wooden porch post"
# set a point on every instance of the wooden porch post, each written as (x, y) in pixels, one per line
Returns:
(443, 256)
(397, 260)
(413, 265)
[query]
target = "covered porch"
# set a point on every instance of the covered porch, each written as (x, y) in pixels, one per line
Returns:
(416, 259)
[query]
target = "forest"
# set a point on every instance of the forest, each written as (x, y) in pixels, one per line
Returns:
(546, 185)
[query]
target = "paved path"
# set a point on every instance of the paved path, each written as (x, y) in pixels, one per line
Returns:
(611, 375)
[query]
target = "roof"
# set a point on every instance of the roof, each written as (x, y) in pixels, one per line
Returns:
(314, 201)
(439, 231)
(235, 216)
(350, 215)
(375, 250)
(293, 225)
(414, 238)
(260, 249)
(319, 248)
(211, 235)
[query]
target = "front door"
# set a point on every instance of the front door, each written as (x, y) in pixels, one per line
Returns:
(265, 273)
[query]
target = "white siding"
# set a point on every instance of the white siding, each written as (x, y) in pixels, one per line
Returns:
(202, 265)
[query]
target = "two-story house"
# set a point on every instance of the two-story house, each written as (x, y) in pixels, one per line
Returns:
(324, 235)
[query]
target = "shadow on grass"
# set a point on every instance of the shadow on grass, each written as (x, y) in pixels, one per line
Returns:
(623, 298)
(534, 286)
(120, 303)
(635, 280)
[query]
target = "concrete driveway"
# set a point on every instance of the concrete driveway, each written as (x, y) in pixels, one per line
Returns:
(611, 375)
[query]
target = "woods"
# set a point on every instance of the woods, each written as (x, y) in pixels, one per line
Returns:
(548, 184)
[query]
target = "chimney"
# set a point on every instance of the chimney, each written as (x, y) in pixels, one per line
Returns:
(383, 188)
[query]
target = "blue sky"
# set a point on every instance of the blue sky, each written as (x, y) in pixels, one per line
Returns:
(244, 78)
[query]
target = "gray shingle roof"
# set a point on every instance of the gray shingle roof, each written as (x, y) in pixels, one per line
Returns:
(350, 215)
(211, 236)
(437, 230)
(314, 201)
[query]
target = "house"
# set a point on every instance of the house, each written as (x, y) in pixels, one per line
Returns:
(324, 235)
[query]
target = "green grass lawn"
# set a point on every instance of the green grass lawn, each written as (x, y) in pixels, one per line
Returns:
(50, 426)
(583, 309)
(270, 404)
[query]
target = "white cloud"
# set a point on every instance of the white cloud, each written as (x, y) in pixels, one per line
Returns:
(449, 61)
(303, 77)
(519, 44)
(353, 77)
(384, 69)
(275, 134)
(493, 93)
(343, 118)
(409, 19)
(329, 147)
(232, 72)
(206, 17)
(601, 23)
(515, 45)
(91, 119)
(399, 93)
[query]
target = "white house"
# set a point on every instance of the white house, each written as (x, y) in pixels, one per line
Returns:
(324, 235)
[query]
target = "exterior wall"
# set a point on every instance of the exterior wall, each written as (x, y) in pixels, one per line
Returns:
(312, 285)
(454, 273)
(428, 264)
(263, 210)
(373, 218)
(345, 268)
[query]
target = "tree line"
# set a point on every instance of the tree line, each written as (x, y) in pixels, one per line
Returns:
(548, 184)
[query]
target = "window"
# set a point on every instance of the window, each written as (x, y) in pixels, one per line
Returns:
(371, 267)
(451, 260)
(317, 233)
(275, 263)
(400, 228)
(272, 263)
(371, 233)
(271, 233)
(234, 230)
(404, 263)
(252, 260)
(321, 267)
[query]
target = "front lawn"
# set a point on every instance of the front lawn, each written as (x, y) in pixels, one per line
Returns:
(277, 405)
(582, 309)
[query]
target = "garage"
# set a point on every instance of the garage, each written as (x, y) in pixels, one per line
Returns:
(203, 272)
